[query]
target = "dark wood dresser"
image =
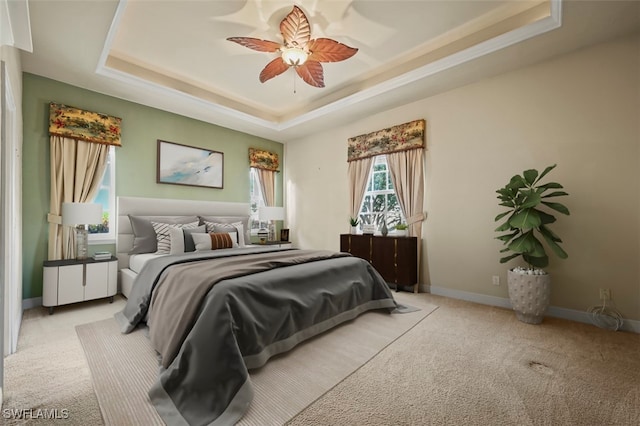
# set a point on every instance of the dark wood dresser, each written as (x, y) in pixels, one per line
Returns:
(395, 258)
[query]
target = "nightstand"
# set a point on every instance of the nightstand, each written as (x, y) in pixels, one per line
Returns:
(70, 281)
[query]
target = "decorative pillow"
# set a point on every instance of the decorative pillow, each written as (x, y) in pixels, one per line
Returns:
(162, 234)
(212, 241)
(181, 239)
(243, 237)
(144, 237)
(236, 227)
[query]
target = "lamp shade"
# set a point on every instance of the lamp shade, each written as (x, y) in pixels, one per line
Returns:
(81, 213)
(271, 213)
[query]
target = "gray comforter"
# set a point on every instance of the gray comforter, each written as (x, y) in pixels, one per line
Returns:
(249, 307)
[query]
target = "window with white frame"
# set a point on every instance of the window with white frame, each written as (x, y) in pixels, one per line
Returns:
(256, 201)
(380, 201)
(104, 233)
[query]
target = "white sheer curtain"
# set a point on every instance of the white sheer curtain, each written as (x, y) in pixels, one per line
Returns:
(267, 180)
(77, 168)
(406, 169)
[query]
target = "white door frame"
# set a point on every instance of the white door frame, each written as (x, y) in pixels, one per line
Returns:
(10, 184)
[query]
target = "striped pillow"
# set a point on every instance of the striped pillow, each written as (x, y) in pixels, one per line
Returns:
(163, 236)
(212, 241)
(227, 227)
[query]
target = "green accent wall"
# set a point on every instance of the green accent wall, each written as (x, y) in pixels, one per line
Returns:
(136, 160)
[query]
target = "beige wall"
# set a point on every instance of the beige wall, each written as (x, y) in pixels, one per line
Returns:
(580, 111)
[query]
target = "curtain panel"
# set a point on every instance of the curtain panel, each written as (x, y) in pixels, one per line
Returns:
(75, 123)
(79, 148)
(398, 138)
(266, 164)
(77, 168)
(358, 177)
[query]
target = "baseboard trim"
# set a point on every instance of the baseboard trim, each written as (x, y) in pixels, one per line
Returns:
(34, 302)
(553, 311)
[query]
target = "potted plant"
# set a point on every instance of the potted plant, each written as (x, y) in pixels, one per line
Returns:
(527, 221)
(401, 229)
(353, 221)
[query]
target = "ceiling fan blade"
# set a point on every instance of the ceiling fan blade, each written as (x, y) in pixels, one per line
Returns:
(327, 50)
(273, 68)
(256, 44)
(295, 28)
(312, 74)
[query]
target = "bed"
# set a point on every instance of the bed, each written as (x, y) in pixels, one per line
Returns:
(213, 315)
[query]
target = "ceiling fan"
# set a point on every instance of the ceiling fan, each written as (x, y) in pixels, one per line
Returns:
(298, 50)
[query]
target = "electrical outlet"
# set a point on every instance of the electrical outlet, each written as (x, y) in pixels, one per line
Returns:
(496, 280)
(605, 294)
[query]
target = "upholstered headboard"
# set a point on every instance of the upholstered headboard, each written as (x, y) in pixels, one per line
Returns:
(162, 207)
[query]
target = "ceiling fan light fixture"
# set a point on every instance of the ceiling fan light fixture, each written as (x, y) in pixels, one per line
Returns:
(294, 56)
(298, 50)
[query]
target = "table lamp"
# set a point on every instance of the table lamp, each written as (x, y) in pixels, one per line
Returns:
(79, 215)
(271, 214)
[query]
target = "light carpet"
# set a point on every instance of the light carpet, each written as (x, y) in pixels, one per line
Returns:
(123, 367)
(470, 364)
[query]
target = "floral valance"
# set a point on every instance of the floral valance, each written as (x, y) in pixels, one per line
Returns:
(393, 139)
(263, 159)
(83, 125)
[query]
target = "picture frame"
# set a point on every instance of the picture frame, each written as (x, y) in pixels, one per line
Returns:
(180, 164)
(284, 234)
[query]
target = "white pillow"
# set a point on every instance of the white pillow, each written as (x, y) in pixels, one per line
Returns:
(237, 227)
(204, 241)
(162, 234)
(181, 239)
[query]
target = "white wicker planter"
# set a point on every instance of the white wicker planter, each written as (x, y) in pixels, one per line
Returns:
(529, 295)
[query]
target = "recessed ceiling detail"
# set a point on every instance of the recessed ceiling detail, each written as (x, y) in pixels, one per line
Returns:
(173, 55)
(184, 50)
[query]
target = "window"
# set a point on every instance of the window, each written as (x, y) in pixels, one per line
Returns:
(104, 233)
(256, 201)
(380, 200)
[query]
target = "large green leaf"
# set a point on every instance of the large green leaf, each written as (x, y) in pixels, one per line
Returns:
(538, 248)
(500, 216)
(508, 258)
(554, 246)
(527, 243)
(547, 170)
(550, 185)
(550, 234)
(557, 207)
(507, 204)
(507, 237)
(555, 194)
(522, 244)
(525, 219)
(545, 217)
(516, 182)
(532, 200)
(530, 176)
(504, 227)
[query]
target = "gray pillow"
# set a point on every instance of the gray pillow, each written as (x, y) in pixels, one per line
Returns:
(144, 236)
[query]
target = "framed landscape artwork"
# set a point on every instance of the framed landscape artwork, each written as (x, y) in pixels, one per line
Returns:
(187, 165)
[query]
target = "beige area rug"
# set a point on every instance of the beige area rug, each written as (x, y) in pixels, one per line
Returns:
(123, 367)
